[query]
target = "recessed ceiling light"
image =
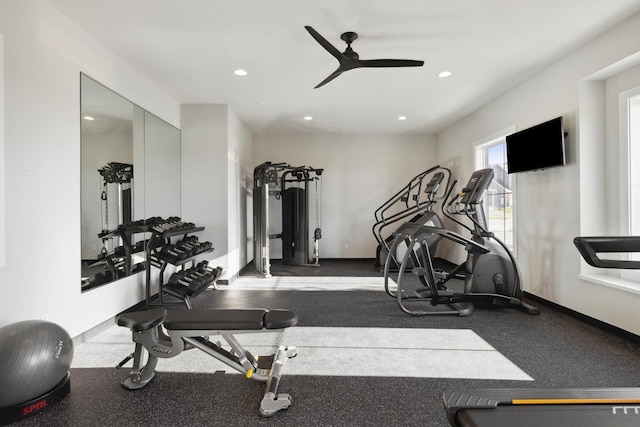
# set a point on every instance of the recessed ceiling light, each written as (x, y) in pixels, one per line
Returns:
(88, 118)
(402, 117)
(444, 74)
(308, 118)
(240, 72)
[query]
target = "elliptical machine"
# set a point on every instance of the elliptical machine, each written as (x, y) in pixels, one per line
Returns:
(490, 272)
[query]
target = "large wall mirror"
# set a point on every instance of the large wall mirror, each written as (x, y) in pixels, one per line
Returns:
(130, 170)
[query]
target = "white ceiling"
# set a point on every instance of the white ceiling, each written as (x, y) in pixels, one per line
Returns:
(190, 48)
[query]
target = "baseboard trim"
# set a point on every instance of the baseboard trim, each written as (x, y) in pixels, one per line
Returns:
(228, 279)
(586, 319)
(94, 331)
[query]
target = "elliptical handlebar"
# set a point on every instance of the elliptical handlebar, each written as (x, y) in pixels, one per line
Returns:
(411, 198)
(448, 208)
(469, 202)
(448, 185)
(405, 191)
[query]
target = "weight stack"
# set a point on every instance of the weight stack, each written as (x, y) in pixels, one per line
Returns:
(295, 227)
(127, 207)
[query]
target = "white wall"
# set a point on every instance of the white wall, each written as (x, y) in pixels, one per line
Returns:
(548, 202)
(216, 158)
(204, 174)
(360, 173)
(44, 53)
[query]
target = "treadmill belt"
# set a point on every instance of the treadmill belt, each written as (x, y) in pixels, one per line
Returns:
(623, 415)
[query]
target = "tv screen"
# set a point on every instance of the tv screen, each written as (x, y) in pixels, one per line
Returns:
(538, 147)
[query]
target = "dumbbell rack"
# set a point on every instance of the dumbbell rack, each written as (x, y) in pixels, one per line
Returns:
(157, 258)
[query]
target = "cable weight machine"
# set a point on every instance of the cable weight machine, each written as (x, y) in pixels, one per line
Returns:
(116, 200)
(120, 174)
(290, 185)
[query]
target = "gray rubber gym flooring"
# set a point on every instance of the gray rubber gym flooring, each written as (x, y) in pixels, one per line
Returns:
(367, 363)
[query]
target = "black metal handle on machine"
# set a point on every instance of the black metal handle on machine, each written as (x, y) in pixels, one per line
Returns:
(448, 210)
(379, 213)
(470, 200)
(590, 247)
(404, 195)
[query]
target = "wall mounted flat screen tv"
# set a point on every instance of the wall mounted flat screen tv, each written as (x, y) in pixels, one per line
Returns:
(538, 147)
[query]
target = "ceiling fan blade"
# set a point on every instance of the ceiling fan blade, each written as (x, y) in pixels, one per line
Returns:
(324, 43)
(333, 75)
(389, 63)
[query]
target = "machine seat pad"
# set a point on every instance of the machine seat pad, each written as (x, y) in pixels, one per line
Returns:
(226, 319)
(140, 321)
(280, 319)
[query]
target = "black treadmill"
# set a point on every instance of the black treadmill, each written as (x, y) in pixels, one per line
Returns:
(619, 407)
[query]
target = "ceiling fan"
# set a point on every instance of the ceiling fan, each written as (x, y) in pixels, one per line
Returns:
(349, 59)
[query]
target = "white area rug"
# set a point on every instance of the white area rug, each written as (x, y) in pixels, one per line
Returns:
(380, 352)
(309, 283)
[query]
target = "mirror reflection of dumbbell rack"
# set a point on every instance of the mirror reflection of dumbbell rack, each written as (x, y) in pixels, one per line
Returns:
(189, 279)
(119, 261)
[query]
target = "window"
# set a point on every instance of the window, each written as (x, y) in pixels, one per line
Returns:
(629, 113)
(609, 159)
(498, 205)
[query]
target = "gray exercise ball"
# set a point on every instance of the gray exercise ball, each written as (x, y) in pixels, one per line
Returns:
(35, 356)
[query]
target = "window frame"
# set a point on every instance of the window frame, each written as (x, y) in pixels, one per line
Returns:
(2, 159)
(626, 170)
(480, 162)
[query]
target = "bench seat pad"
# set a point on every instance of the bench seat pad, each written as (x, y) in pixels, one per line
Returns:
(140, 321)
(229, 319)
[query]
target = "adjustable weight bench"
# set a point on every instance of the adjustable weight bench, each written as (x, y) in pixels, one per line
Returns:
(191, 328)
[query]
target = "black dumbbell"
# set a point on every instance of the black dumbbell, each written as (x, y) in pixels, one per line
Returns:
(205, 246)
(203, 266)
(172, 254)
(205, 277)
(164, 227)
(181, 278)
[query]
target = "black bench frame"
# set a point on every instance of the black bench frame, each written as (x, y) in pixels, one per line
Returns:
(192, 329)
